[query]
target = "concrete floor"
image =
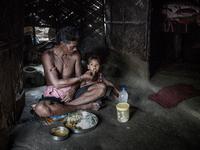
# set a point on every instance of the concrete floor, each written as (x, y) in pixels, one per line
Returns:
(151, 126)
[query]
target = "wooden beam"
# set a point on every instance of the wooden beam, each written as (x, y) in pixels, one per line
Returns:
(125, 22)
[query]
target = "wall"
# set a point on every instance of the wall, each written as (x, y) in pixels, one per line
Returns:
(126, 36)
(131, 67)
(11, 62)
(191, 46)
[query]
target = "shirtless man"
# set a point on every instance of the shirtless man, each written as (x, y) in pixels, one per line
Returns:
(63, 69)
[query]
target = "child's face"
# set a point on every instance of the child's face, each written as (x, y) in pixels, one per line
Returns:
(94, 66)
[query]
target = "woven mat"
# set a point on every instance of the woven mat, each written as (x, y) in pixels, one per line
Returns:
(49, 120)
(171, 96)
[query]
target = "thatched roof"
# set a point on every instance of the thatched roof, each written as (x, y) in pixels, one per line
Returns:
(58, 13)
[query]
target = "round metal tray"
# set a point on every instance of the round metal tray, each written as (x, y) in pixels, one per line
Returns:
(85, 115)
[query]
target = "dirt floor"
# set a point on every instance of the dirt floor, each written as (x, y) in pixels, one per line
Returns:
(150, 127)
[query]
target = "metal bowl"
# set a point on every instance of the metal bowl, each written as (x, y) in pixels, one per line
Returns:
(86, 116)
(59, 133)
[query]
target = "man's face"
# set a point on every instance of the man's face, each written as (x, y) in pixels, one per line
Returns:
(72, 47)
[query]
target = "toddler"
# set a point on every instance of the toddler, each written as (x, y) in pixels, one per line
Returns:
(94, 68)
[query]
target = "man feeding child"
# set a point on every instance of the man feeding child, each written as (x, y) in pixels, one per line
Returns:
(62, 69)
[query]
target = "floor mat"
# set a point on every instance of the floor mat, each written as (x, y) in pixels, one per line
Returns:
(49, 120)
(171, 96)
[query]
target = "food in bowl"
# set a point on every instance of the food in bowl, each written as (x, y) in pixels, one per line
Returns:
(72, 120)
(77, 121)
(81, 121)
(86, 123)
(59, 133)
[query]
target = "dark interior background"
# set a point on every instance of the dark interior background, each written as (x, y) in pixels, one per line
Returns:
(167, 45)
(133, 35)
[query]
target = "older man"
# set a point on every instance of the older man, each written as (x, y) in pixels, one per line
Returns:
(62, 68)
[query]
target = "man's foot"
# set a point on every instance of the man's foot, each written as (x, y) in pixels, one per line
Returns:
(90, 106)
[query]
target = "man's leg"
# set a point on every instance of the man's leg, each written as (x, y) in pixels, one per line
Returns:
(49, 108)
(93, 93)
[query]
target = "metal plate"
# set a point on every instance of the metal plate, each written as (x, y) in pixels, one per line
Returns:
(85, 115)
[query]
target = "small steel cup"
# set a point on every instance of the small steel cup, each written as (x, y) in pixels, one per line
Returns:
(59, 133)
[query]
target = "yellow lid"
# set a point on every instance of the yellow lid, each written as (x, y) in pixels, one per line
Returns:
(122, 106)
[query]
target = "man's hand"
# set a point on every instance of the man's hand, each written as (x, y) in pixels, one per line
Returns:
(95, 76)
(68, 96)
(87, 76)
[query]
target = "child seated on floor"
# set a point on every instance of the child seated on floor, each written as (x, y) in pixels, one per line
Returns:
(94, 67)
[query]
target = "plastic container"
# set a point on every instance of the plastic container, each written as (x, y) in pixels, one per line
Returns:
(122, 112)
(123, 96)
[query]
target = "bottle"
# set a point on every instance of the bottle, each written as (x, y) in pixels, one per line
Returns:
(123, 96)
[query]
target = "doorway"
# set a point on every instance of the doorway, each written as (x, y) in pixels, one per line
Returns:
(174, 37)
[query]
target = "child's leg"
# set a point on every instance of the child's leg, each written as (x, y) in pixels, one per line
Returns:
(114, 95)
(110, 92)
